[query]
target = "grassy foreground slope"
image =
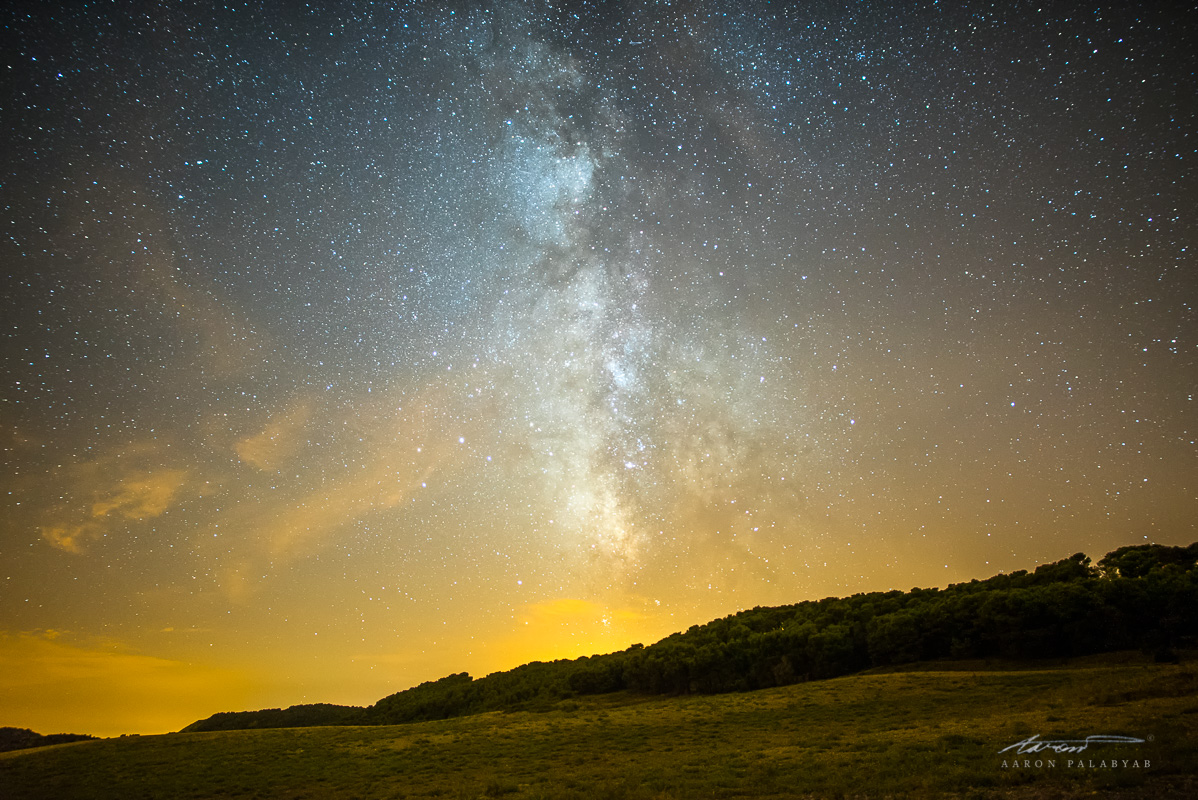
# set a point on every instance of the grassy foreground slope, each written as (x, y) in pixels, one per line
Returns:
(923, 732)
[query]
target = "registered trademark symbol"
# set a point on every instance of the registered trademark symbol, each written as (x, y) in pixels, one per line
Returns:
(1151, 737)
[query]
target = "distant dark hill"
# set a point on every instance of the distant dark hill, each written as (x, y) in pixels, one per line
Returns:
(305, 716)
(1141, 597)
(23, 738)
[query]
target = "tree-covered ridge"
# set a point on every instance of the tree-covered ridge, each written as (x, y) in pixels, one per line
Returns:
(303, 716)
(23, 738)
(1138, 597)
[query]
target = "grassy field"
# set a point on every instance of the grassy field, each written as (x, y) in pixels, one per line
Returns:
(927, 732)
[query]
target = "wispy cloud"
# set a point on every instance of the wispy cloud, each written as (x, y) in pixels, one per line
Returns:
(71, 538)
(278, 441)
(107, 494)
(400, 441)
(142, 496)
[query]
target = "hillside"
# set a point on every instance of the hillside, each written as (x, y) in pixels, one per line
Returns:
(23, 738)
(922, 732)
(1136, 598)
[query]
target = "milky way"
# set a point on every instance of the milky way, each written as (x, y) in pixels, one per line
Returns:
(350, 347)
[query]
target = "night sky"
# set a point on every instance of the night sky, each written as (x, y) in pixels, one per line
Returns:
(349, 347)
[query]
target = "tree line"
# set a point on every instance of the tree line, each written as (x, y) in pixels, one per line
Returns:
(1141, 597)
